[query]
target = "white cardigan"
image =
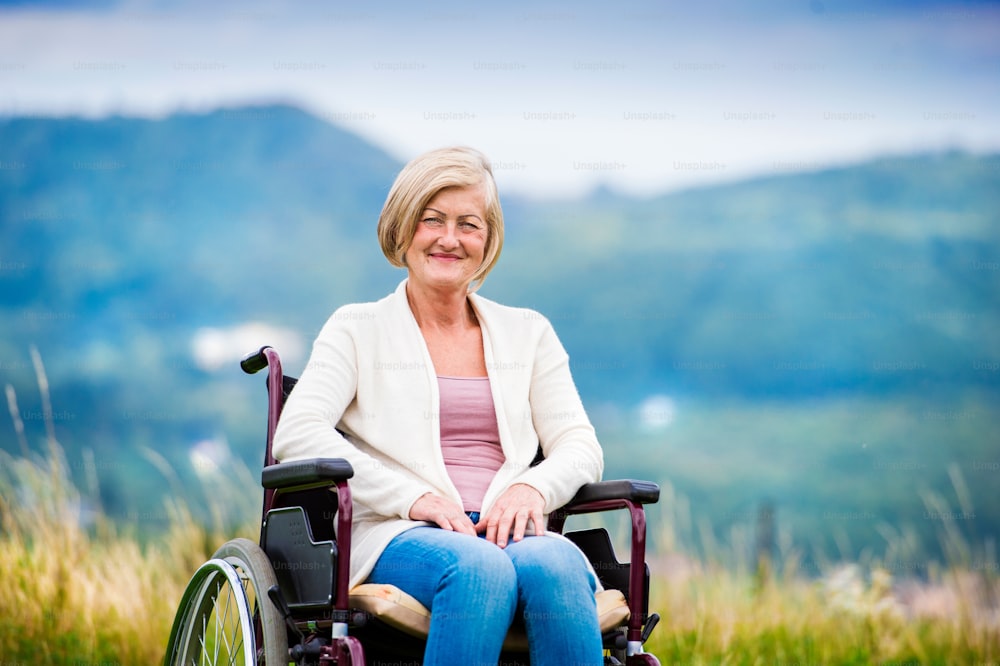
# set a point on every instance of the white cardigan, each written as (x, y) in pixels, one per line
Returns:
(370, 376)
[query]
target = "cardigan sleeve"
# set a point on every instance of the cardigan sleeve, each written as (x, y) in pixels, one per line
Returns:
(569, 443)
(308, 424)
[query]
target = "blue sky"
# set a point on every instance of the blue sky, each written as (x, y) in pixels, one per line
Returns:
(645, 97)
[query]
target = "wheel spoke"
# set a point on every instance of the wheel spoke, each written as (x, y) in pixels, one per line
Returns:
(253, 598)
(220, 631)
(237, 639)
(204, 633)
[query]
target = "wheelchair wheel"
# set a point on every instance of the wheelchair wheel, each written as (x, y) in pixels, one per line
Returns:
(225, 616)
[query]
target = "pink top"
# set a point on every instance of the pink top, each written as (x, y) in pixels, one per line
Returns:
(470, 438)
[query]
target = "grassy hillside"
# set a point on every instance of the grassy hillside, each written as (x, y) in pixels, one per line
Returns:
(894, 480)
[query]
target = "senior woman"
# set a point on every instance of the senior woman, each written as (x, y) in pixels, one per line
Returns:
(440, 399)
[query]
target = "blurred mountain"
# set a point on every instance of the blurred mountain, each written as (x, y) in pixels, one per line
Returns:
(135, 254)
(879, 277)
(202, 217)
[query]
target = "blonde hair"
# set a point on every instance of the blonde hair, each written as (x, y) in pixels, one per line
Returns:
(419, 182)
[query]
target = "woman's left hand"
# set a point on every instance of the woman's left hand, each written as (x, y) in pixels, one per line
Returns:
(510, 514)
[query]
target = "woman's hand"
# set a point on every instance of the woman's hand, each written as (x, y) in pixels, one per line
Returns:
(512, 511)
(445, 513)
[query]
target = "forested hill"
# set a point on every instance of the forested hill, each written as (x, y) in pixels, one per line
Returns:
(874, 277)
(883, 276)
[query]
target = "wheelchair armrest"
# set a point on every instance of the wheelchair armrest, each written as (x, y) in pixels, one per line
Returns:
(639, 492)
(311, 472)
(633, 578)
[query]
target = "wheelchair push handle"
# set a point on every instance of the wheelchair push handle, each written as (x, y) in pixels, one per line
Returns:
(256, 361)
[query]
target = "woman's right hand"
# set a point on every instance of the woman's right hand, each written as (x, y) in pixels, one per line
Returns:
(445, 513)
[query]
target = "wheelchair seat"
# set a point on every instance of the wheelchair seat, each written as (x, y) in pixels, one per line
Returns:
(399, 610)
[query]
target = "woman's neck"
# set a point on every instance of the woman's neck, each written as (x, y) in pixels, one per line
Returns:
(440, 309)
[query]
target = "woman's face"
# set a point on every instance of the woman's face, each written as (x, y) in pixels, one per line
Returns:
(450, 239)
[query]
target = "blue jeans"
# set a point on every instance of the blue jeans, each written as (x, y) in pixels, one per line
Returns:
(475, 589)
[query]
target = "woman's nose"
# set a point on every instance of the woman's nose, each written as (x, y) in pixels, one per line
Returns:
(449, 235)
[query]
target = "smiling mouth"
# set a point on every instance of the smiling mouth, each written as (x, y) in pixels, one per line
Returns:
(446, 257)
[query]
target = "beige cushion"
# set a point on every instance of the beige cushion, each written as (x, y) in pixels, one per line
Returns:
(393, 606)
(401, 611)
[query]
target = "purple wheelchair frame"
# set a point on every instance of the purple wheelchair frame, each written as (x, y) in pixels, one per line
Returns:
(334, 473)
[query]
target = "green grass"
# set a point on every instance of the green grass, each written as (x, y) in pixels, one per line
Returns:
(77, 588)
(717, 617)
(75, 595)
(97, 595)
(717, 610)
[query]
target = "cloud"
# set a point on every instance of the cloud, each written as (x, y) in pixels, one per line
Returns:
(215, 348)
(655, 92)
(657, 412)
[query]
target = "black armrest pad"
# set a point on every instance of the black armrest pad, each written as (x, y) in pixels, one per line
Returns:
(314, 471)
(640, 492)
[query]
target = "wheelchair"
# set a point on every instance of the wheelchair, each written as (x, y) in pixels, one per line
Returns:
(286, 600)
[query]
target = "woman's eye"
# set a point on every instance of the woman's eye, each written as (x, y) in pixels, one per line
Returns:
(433, 221)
